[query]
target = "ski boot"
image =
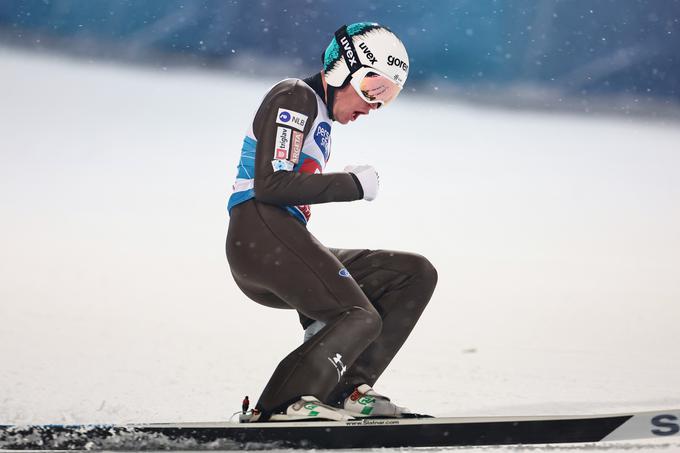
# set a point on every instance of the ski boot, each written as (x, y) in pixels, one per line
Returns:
(308, 408)
(366, 402)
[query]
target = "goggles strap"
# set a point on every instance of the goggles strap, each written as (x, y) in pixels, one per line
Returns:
(349, 53)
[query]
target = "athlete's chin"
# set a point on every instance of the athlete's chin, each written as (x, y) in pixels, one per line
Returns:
(346, 119)
(351, 117)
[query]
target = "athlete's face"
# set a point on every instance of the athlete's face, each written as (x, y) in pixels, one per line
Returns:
(349, 106)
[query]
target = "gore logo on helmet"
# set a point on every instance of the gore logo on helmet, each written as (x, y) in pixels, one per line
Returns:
(393, 61)
(368, 53)
(349, 52)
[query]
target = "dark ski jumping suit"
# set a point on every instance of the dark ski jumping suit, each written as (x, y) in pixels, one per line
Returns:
(370, 300)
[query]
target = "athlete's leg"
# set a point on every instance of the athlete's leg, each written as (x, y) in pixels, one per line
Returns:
(273, 257)
(399, 285)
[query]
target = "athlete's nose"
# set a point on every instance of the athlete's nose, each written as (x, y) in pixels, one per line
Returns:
(371, 107)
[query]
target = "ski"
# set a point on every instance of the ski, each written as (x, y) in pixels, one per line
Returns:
(361, 433)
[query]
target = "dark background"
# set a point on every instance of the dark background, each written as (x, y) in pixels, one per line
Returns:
(550, 52)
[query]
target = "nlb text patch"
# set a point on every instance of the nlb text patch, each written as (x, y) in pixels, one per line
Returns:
(292, 118)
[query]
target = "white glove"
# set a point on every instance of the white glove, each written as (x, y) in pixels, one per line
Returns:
(368, 178)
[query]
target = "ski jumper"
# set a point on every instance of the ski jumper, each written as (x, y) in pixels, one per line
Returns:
(370, 300)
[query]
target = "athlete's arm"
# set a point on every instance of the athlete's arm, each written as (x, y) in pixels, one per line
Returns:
(283, 186)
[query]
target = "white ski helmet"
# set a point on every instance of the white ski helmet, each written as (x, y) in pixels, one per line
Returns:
(365, 45)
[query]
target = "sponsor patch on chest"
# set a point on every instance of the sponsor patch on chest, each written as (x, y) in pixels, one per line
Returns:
(291, 118)
(322, 137)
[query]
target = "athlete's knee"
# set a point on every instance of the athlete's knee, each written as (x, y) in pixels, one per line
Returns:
(423, 282)
(364, 322)
(422, 271)
(428, 272)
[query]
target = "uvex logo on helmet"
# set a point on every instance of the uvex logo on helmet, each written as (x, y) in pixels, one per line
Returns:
(394, 61)
(349, 52)
(368, 53)
(364, 45)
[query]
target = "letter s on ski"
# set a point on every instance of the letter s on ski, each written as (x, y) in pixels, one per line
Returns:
(668, 422)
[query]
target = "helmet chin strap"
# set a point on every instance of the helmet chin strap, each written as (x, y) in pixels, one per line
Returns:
(330, 96)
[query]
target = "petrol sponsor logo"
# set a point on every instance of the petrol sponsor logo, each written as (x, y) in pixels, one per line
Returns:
(349, 52)
(305, 210)
(393, 61)
(322, 137)
(344, 273)
(282, 145)
(292, 118)
(296, 146)
(666, 425)
(368, 53)
(310, 166)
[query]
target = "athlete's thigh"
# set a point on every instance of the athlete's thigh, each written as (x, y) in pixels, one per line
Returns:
(282, 257)
(379, 271)
(261, 295)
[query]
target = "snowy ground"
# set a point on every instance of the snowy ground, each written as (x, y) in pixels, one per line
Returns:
(556, 237)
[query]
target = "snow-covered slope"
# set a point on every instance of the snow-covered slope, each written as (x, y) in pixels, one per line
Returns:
(556, 238)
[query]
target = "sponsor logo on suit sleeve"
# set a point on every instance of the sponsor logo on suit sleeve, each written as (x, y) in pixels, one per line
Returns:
(282, 144)
(292, 118)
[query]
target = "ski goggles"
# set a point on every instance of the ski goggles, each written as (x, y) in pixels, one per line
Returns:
(374, 87)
